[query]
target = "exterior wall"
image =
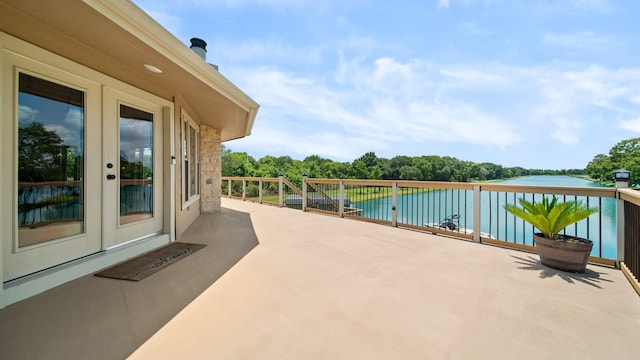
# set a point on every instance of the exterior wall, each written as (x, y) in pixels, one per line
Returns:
(210, 169)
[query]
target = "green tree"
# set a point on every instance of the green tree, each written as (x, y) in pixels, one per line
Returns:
(623, 155)
(425, 166)
(314, 166)
(369, 159)
(396, 164)
(267, 167)
(335, 170)
(410, 173)
(237, 163)
(360, 170)
(626, 155)
(42, 155)
(600, 168)
(385, 168)
(375, 173)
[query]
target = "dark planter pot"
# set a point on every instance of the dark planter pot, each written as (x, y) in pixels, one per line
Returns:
(567, 254)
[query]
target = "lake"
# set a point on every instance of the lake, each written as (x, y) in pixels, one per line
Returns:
(431, 207)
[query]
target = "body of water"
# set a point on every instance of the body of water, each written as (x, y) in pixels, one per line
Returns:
(431, 207)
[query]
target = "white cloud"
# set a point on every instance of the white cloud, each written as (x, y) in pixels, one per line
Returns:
(269, 51)
(75, 118)
(585, 40)
(273, 4)
(566, 131)
(69, 136)
(604, 6)
(418, 122)
(466, 76)
(631, 125)
(383, 103)
(447, 3)
(386, 102)
(572, 100)
(26, 114)
(474, 29)
(389, 67)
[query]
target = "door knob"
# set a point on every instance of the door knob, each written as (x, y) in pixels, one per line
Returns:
(111, 177)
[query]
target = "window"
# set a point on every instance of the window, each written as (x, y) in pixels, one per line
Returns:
(191, 161)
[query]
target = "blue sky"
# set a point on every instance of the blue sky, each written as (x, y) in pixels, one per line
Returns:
(531, 83)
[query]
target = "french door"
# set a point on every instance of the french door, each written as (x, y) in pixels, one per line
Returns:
(132, 168)
(82, 163)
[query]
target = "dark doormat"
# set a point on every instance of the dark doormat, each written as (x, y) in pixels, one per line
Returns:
(144, 265)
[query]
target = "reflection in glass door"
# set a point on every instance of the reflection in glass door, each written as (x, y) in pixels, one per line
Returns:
(50, 161)
(136, 165)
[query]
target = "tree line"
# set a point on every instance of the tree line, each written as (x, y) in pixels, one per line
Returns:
(623, 155)
(370, 166)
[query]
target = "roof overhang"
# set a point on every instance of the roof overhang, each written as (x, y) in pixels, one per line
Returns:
(117, 38)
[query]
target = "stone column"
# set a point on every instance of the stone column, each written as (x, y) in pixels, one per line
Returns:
(210, 169)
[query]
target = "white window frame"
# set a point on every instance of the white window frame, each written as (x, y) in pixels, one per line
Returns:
(185, 130)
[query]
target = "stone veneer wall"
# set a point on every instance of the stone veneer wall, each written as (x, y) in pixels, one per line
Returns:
(210, 169)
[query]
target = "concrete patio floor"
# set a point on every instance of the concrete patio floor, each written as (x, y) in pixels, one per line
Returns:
(320, 287)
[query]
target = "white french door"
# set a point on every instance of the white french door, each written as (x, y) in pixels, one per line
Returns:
(132, 168)
(82, 167)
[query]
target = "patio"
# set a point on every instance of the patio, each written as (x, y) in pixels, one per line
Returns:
(321, 287)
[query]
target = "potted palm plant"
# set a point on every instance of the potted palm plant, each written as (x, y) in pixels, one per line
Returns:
(562, 252)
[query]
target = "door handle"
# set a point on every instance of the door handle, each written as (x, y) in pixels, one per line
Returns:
(111, 177)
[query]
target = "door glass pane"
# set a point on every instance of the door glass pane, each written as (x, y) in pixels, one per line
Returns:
(50, 160)
(136, 164)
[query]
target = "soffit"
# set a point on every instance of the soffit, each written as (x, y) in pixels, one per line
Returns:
(117, 38)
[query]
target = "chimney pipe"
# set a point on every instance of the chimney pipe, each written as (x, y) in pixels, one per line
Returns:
(199, 46)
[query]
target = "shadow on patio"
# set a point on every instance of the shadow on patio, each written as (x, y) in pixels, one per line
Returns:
(590, 276)
(99, 318)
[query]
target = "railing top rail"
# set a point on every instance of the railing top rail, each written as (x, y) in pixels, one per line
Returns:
(630, 195)
(323, 181)
(401, 183)
(553, 190)
(369, 182)
(435, 184)
(249, 178)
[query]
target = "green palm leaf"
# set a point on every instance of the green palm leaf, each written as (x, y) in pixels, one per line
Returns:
(550, 217)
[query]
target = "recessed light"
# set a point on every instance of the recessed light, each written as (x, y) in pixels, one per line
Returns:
(153, 69)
